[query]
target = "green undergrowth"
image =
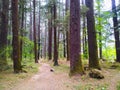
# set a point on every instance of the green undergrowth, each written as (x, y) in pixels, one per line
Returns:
(61, 68)
(110, 65)
(118, 86)
(8, 78)
(91, 87)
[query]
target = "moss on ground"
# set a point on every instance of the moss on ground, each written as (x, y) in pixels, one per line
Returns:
(118, 86)
(8, 78)
(91, 87)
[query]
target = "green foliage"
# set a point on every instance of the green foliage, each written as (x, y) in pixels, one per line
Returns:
(109, 53)
(66, 20)
(118, 86)
(91, 87)
(28, 47)
(8, 78)
(60, 50)
(84, 9)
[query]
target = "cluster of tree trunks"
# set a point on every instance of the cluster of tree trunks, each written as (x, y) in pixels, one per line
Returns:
(71, 36)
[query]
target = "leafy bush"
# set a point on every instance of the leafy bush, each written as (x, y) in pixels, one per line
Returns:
(118, 86)
(109, 53)
(28, 47)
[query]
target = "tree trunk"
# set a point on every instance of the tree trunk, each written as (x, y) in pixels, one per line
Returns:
(22, 2)
(34, 27)
(116, 31)
(3, 32)
(67, 31)
(55, 37)
(31, 35)
(85, 45)
(92, 42)
(64, 47)
(39, 34)
(45, 39)
(16, 43)
(75, 50)
(50, 36)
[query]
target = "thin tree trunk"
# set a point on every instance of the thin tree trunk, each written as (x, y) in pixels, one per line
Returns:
(22, 26)
(64, 35)
(99, 29)
(50, 36)
(55, 37)
(64, 46)
(92, 42)
(31, 35)
(45, 46)
(34, 27)
(85, 46)
(39, 34)
(116, 31)
(67, 31)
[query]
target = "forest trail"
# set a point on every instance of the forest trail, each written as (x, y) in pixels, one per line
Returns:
(43, 80)
(114, 81)
(47, 80)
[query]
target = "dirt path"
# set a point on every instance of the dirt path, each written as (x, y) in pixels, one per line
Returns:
(47, 80)
(43, 80)
(114, 81)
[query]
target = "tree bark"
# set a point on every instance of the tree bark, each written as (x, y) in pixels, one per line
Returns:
(75, 50)
(50, 35)
(92, 42)
(21, 10)
(39, 34)
(85, 44)
(31, 24)
(16, 43)
(55, 37)
(116, 31)
(45, 39)
(67, 31)
(3, 32)
(34, 27)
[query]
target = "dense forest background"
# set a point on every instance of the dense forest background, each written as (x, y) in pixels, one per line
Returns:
(38, 29)
(77, 31)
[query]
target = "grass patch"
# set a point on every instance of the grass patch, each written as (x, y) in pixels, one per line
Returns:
(118, 86)
(91, 87)
(61, 68)
(8, 78)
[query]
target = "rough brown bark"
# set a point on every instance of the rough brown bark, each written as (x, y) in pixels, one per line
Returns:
(21, 10)
(31, 24)
(55, 37)
(45, 39)
(67, 31)
(75, 50)
(34, 27)
(15, 42)
(39, 34)
(50, 35)
(64, 45)
(116, 31)
(92, 42)
(3, 32)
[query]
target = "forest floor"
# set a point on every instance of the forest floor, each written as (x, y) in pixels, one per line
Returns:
(59, 79)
